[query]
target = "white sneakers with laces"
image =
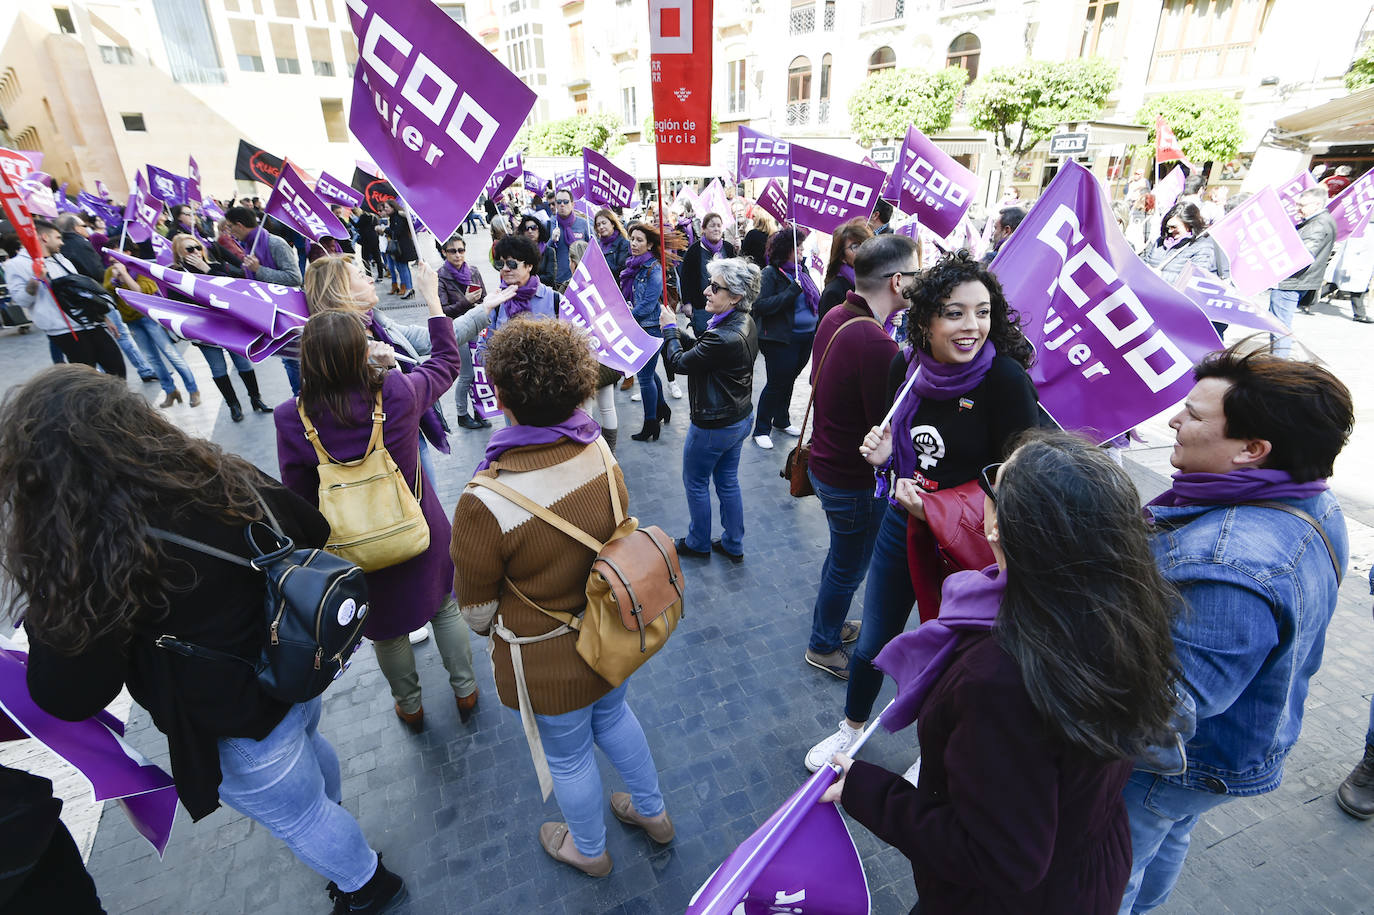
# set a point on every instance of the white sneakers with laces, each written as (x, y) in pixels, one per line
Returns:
(674, 390)
(764, 442)
(838, 742)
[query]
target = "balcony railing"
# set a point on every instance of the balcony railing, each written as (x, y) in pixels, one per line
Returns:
(798, 113)
(823, 111)
(803, 21)
(875, 11)
(829, 22)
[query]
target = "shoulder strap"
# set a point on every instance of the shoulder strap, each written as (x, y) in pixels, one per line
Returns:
(826, 352)
(199, 547)
(313, 435)
(539, 511)
(1299, 513)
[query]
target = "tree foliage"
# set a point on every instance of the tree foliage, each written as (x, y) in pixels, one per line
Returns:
(648, 129)
(1361, 72)
(1207, 124)
(1023, 103)
(887, 102)
(567, 136)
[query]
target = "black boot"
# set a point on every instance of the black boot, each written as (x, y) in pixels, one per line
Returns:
(231, 400)
(649, 432)
(1356, 794)
(376, 895)
(610, 435)
(664, 414)
(250, 381)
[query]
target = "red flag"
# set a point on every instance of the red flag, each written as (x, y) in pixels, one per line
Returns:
(18, 215)
(680, 73)
(1166, 144)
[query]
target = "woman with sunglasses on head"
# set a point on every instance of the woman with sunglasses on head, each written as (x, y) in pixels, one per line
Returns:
(460, 288)
(962, 396)
(1041, 681)
(641, 282)
(537, 233)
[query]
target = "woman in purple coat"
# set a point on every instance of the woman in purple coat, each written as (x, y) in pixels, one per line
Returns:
(341, 372)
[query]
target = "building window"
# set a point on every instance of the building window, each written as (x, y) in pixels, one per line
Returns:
(231, 6)
(580, 102)
(65, 25)
(823, 105)
(192, 52)
(963, 52)
(829, 15)
(578, 47)
(799, 91)
(734, 75)
(1098, 28)
(244, 34)
(456, 11)
(882, 59)
(525, 53)
(133, 120)
(335, 123)
(803, 20)
(284, 47)
(629, 112)
(114, 54)
(321, 54)
(288, 9)
(350, 46)
(1202, 39)
(874, 11)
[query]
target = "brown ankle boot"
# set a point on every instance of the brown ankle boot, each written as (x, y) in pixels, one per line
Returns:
(1356, 794)
(395, 289)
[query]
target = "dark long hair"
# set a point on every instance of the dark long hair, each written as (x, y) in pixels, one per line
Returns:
(856, 230)
(929, 289)
(1188, 214)
(82, 459)
(334, 366)
(1086, 611)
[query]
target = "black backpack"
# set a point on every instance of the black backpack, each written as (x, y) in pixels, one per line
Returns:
(315, 607)
(85, 300)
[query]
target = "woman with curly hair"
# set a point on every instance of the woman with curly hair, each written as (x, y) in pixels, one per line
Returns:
(537, 234)
(96, 589)
(962, 397)
(511, 567)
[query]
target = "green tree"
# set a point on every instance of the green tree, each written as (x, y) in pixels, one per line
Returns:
(1207, 124)
(567, 136)
(1361, 72)
(886, 103)
(1023, 103)
(648, 129)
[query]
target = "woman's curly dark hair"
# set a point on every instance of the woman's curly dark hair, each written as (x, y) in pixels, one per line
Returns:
(82, 461)
(929, 289)
(543, 369)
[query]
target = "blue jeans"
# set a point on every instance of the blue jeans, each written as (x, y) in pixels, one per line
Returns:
(714, 454)
(402, 273)
(568, 738)
(214, 357)
(1162, 819)
(782, 363)
(1283, 304)
(153, 340)
(650, 389)
(126, 343)
(293, 374)
(887, 606)
(853, 516)
(289, 782)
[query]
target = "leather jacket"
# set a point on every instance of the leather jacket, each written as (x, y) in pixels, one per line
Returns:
(719, 366)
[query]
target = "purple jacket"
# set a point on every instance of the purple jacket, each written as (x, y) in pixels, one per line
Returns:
(406, 596)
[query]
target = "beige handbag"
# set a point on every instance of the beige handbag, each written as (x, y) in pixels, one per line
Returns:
(375, 521)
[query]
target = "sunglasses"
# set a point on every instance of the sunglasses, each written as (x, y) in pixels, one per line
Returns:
(509, 263)
(716, 287)
(189, 248)
(455, 250)
(531, 228)
(987, 480)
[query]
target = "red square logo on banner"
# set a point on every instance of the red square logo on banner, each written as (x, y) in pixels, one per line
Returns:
(670, 22)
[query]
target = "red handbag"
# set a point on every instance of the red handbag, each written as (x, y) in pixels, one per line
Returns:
(949, 540)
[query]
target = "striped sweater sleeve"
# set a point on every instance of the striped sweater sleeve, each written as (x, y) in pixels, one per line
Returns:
(478, 566)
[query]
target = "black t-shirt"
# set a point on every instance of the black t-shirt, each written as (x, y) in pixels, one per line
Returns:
(956, 438)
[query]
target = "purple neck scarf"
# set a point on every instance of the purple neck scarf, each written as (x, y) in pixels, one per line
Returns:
(607, 242)
(579, 427)
(918, 659)
(521, 303)
(627, 274)
(1236, 487)
(713, 248)
(565, 227)
(847, 272)
(462, 275)
(938, 381)
(716, 319)
(808, 286)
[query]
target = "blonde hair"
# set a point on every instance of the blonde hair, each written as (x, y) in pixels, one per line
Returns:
(328, 285)
(179, 243)
(764, 223)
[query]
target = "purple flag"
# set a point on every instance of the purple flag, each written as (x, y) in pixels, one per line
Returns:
(64, 203)
(432, 106)
(802, 861)
(572, 182)
(1289, 193)
(594, 302)
(102, 190)
(1350, 206)
(333, 190)
(162, 250)
(927, 182)
(95, 747)
(1260, 242)
(827, 191)
(1115, 344)
(98, 207)
(713, 200)
(483, 391)
(506, 173)
(762, 156)
(773, 200)
(168, 187)
(192, 180)
(142, 211)
(1221, 302)
(1167, 190)
(301, 209)
(38, 196)
(212, 209)
(533, 183)
(607, 184)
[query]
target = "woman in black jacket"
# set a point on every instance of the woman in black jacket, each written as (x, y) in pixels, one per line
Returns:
(839, 273)
(538, 234)
(99, 590)
(400, 246)
(614, 242)
(711, 246)
(787, 309)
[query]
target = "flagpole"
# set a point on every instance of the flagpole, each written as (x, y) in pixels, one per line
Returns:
(863, 738)
(662, 229)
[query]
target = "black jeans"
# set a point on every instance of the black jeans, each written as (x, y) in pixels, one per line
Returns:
(94, 348)
(782, 362)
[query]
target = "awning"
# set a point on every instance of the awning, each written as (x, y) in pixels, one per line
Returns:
(1344, 120)
(959, 146)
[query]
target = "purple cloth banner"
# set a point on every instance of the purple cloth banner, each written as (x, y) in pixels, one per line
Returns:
(192, 181)
(594, 302)
(98, 207)
(95, 747)
(162, 250)
(142, 211)
(827, 191)
(166, 186)
(507, 172)
(1167, 189)
(802, 861)
(1350, 206)
(1115, 344)
(759, 155)
(571, 181)
(483, 392)
(533, 183)
(301, 209)
(1260, 242)
(434, 109)
(332, 190)
(713, 200)
(773, 200)
(38, 196)
(1220, 301)
(212, 209)
(927, 182)
(102, 190)
(1290, 191)
(607, 184)
(64, 203)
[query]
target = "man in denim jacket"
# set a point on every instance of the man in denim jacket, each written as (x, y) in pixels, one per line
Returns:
(1259, 582)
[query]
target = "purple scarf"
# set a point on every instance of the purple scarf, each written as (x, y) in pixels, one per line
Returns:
(263, 251)
(918, 659)
(627, 274)
(808, 286)
(714, 249)
(565, 227)
(847, 271)
(523, 296)
(1236, 487)
(462, 274)
(938, 381)
(607, 242)
(579, 427)
(716, 319)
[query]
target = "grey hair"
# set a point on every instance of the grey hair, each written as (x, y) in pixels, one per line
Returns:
(499, 222)
(66, 223)
(740, 276)
(1314, 193)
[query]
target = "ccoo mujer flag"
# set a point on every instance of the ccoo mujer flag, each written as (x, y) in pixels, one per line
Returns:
(434, 109)
(297, 207)
(680, 77)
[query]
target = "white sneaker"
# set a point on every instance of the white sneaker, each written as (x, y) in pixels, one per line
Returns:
(913, 772)
(794, 431)
(635, 397)
(674, 390)
(838, 742)
(419, 635)
(766, 444)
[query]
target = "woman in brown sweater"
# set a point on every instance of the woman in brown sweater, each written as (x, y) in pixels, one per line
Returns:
(507, 560)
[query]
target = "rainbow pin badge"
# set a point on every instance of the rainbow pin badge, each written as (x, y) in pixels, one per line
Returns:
(965, 404)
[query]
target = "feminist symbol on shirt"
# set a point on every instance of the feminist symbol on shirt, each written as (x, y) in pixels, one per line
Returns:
(930, 447)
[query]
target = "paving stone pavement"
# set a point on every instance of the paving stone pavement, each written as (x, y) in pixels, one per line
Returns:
(728, 706)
